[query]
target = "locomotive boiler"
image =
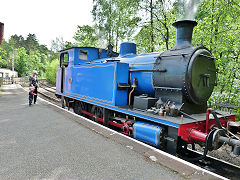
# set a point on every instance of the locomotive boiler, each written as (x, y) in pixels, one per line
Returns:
(158, 98)
(185, 74)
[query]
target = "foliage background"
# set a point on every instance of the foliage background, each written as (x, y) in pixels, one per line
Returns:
(148, 23)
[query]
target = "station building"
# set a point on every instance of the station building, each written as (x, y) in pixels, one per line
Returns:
(7, 73)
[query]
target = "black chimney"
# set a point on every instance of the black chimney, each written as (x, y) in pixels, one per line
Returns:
(184, 29)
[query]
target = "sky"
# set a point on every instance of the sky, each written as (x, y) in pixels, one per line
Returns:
(47, 19)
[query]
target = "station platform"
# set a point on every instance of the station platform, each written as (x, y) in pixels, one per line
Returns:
(47, 142)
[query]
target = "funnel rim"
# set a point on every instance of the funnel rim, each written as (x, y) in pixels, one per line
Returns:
(184, 21)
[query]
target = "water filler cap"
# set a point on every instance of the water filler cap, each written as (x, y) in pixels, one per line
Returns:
(127, 48)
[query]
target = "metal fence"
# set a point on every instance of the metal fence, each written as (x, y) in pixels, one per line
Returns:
(5, 81)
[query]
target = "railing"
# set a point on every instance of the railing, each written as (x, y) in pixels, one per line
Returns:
(5, 81)
(229, 108)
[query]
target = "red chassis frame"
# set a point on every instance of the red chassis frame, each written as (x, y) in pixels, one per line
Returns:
(190, 133)
(198, 131)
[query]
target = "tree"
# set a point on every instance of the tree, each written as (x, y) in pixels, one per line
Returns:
(16, 41)
(21, 63)
(31, 43)
(68, 44)
(86, 36)
(57, 44)
(157, 32)
(115, 20)
(51, 71)
(3, 57)
(218, 30)
(28, 55)
(37, 61)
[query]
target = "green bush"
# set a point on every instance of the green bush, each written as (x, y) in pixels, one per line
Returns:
(51, 71)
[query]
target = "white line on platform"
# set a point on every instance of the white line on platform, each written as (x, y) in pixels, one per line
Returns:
(139, 142)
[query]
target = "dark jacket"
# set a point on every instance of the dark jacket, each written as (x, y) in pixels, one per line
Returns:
(33, 81)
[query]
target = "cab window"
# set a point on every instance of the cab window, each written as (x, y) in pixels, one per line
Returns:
(64, 59)
(83, 55)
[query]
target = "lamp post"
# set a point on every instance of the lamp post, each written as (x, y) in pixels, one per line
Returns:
(1, 32)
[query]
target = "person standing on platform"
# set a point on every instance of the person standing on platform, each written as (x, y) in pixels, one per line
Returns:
(33, 81)
(31, 95)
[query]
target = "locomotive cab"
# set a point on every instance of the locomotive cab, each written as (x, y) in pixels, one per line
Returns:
(75, 56)
(80, 55)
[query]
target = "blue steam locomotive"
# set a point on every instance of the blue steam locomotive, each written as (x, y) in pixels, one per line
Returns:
(158, 98)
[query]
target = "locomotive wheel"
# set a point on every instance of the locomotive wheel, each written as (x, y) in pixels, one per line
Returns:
(79, 107)
(97, 113)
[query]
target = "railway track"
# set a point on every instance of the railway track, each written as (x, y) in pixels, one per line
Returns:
(215, 165)
(48, 92)
(212, 164)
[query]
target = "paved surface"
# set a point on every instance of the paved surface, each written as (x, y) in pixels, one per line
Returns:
(44, 142)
